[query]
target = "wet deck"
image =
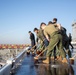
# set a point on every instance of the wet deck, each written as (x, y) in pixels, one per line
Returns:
(28, 67)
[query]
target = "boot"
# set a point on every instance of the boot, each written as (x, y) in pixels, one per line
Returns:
(60, 58)
(64, 60)
(47, 61)
(56, 58)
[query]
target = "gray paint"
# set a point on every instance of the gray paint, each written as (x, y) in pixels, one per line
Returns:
(74, 31)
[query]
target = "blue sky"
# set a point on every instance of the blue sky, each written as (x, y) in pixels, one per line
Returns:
(17, 17)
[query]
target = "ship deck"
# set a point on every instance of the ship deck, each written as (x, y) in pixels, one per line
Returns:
(29, 67)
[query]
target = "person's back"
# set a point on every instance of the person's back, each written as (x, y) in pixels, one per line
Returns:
(50, 29)
(32, 38)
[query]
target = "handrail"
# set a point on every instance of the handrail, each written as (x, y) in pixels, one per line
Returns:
(7, 68)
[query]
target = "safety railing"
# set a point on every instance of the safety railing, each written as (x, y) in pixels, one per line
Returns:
(11, 63)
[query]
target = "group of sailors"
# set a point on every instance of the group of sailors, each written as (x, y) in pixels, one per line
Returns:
(54, 40)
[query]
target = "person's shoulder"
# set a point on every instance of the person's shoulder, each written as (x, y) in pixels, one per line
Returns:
(47, 27)
(32, 33)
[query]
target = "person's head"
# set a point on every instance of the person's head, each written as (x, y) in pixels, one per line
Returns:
(36, 30)
(29, 32)
(42, 25)
(50, 22)
(54, 20)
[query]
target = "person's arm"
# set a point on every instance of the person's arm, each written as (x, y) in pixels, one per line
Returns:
(46, 35)
(59, 26)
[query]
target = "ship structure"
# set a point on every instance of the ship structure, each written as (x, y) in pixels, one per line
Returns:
(74, 31)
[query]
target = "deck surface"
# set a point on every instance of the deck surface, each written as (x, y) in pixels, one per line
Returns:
(28, 67)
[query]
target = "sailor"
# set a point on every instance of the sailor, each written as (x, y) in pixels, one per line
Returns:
(32, 38)
(55, 39)
(55, 53)
(65, 39)
(40, 36)
(70, 39)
